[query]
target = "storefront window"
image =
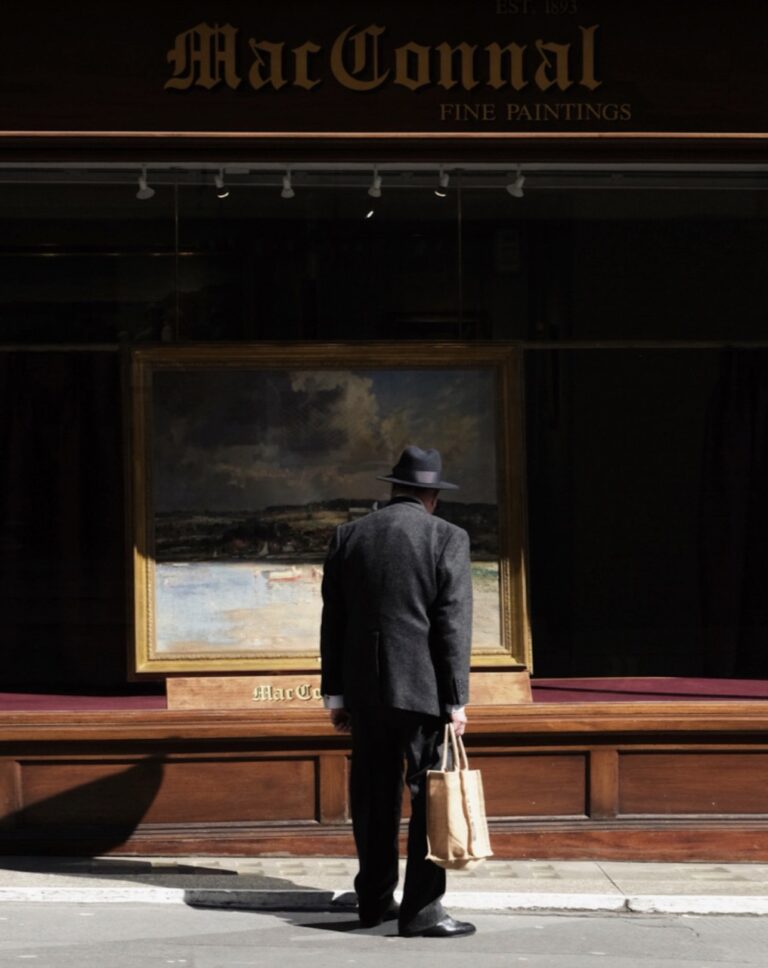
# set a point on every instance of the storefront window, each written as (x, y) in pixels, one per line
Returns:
(85, 263)
(638, 560)
(637, 295)
(329, 263)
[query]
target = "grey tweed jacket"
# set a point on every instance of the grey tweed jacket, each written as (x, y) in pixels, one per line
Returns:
(397, 611)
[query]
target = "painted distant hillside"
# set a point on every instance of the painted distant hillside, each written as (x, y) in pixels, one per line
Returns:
(293, 532)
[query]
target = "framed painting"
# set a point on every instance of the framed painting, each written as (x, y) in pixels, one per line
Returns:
(246, 457)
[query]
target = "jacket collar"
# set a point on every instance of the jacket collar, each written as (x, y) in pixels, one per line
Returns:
(406, 499)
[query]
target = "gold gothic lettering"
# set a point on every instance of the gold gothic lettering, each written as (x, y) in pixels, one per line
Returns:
(207, 56)
(275, 66)
(274, 53)
(516, 66)
(301, 56)
(366, 54)
(269, 693)
(561, 78)
(588, 58)
(412, 54)
(204, 56)
(466, 54)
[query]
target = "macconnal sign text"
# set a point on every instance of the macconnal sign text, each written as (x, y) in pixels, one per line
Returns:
(361, 60)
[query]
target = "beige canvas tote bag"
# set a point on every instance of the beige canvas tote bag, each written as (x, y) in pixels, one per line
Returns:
(457, 828)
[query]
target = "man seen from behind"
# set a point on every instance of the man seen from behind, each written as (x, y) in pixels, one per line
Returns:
(395, 648)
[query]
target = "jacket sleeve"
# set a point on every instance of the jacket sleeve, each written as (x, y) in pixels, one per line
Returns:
(451, 620)
(333, 622)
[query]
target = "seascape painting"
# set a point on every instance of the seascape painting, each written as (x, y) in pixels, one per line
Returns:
(246, 457)
(252, 468)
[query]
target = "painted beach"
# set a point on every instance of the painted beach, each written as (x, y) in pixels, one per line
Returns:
(270, 608)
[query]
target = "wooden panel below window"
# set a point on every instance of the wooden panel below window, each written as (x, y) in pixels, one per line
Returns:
(9, 789)
(168, 791)
(534, 785)
(693, 783)
(81, 783)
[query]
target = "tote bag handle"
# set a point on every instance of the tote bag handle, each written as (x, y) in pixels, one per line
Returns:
(458, 753)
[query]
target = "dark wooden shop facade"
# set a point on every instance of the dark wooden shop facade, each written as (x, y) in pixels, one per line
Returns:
(90, 760)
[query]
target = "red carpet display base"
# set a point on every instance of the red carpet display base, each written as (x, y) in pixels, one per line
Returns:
(608, 689)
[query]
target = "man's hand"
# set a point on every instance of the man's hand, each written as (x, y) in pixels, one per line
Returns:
(341, 720)
(459, 720)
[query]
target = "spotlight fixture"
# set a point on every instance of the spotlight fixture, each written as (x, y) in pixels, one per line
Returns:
(221, 189)
(145, 191)
(287, 191)
(442, 184)
(370, 213)
(515, 188)
(375, 190)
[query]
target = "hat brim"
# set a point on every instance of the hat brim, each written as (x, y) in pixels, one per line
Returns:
(434, 486)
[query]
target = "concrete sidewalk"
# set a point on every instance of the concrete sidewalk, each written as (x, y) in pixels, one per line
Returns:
(292, 883)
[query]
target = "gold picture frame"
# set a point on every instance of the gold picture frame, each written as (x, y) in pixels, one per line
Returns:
(240, 455)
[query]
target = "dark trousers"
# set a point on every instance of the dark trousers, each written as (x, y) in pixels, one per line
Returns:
(381, 739)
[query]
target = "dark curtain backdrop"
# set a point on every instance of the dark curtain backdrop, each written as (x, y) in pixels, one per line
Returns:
(63, 579)
(734, 519)
(62, 532)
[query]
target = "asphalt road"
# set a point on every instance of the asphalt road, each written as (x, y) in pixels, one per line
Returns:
(52, 935)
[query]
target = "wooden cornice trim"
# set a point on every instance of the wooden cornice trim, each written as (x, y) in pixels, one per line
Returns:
(460, 136)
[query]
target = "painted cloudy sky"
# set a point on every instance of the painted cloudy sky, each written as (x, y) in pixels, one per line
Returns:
(231, 440)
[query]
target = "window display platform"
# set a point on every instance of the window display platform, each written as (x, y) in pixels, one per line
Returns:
(646, 689)
(52, 701)
(560, 690)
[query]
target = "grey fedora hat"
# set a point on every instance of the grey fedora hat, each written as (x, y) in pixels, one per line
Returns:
(419, 468)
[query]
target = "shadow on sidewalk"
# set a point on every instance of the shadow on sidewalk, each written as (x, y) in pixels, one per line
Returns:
(64, 836)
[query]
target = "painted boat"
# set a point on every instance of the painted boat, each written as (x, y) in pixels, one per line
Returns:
(283, 574)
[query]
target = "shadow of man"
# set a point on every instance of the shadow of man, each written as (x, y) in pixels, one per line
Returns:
(80, 824)
(86, 820)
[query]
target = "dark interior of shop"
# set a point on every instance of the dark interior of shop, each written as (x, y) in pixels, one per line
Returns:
(642, 311)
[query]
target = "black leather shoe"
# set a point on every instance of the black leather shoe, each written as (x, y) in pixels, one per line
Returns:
(391, 914)
(445, 928)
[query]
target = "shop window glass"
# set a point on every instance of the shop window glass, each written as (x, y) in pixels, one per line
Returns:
(85, 263)
(648, 525)
(643, 461)
(315, 267)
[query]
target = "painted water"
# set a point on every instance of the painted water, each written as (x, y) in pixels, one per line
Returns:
(267, 608)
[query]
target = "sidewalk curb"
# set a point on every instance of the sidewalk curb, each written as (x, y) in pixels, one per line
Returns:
(698, 904)
(336, 901)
